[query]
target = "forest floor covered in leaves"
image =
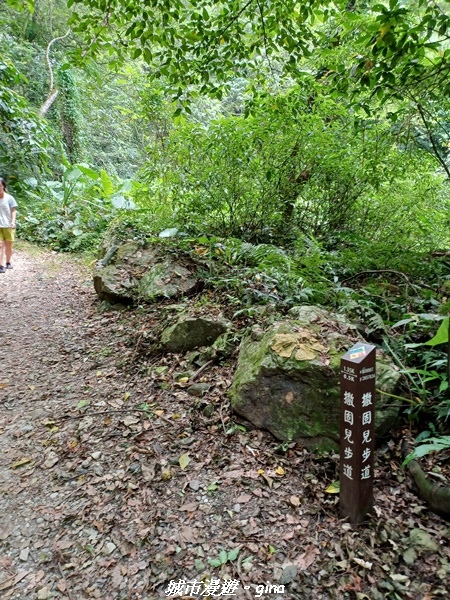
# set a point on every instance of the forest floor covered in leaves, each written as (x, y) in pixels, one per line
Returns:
(114, 482)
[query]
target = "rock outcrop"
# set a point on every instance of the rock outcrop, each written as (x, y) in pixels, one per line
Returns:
(192, 332)
(287, 379)
(132, 273)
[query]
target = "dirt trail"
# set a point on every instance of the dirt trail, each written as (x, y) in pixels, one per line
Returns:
(44, 304)
(98, 500)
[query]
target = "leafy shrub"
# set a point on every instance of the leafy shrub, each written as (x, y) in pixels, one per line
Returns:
(296, 167)
(72, 213)
(25, 140)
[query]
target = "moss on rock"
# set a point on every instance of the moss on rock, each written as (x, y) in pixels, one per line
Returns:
(297, 398)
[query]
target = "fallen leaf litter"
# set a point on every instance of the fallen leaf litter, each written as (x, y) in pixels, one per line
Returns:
(114, 482)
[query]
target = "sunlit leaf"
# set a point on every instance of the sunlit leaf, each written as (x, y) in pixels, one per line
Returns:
(21, 463)
(168, 232)
(333, 488)
(86, 170)
(441, 336)
(183, 461)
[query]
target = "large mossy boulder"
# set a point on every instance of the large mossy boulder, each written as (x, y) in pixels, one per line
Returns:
(287, 379)
(132, 272)
(193, 332)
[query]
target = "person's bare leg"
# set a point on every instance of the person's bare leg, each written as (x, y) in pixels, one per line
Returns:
(1, 254)
(8, 250)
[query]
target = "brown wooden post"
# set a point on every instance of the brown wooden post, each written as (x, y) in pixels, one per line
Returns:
(357, 432)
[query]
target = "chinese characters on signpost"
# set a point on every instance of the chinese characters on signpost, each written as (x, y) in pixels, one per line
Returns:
(357, 432)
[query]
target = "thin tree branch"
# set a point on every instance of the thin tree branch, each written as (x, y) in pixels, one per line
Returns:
(432, 141)
(52, 93)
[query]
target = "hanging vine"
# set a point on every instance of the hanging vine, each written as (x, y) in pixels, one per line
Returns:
(70, 114)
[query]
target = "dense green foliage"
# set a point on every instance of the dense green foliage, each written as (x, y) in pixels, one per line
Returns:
(312, 166)
(301, 149)
(22, 135)
(398, 47)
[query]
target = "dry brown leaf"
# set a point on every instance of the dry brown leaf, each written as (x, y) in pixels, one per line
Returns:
(5, 530)
(187, 535)
(267, 479)
(130, 420)
(308, 557)
(39, 575)
(148, 472)
(234, 474)
(4, 585)
(21, 463)
(243, 498)
(189, 506)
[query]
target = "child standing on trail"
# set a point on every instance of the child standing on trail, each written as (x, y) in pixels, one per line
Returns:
(7, 225)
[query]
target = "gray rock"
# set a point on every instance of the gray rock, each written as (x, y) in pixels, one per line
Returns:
(192, 332)
(134, 273)
(289, 573)
(287, 381)
(26, 428)
(208, 410)
(198, 389)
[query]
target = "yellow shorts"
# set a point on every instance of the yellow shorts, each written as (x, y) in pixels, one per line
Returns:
(7, 234)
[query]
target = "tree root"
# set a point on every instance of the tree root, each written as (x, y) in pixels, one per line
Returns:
(437, 496)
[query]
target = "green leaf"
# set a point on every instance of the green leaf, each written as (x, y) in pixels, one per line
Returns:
(88, 171)
(223, 557)
(72, 174)
(233, 554)
(441, 336)
(183, 461)
(107, 184)
(432, 445)
(333, 488)
(214, 562)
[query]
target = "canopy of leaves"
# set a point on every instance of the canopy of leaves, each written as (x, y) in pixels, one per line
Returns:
(396, 46)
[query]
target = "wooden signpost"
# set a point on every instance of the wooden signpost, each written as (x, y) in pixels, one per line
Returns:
(357, 432)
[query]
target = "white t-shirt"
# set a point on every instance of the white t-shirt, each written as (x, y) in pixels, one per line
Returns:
(6, 204)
